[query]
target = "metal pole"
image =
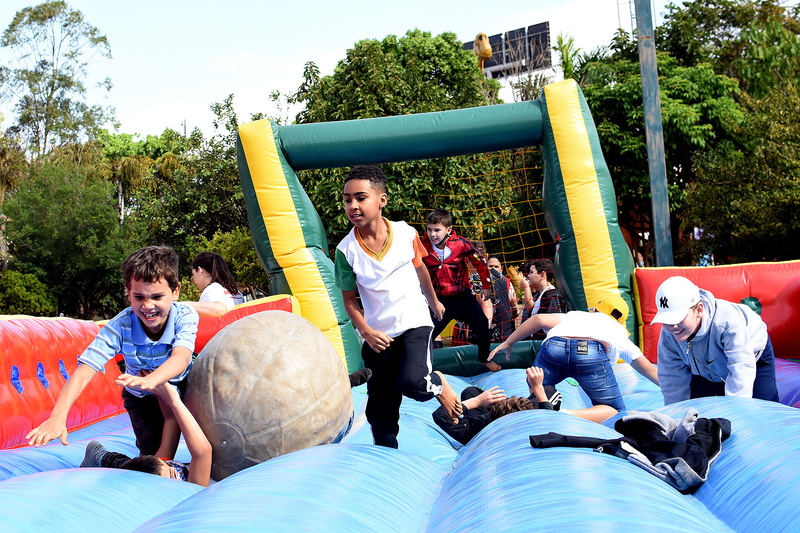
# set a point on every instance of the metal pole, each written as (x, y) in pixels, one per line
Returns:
(654, 134)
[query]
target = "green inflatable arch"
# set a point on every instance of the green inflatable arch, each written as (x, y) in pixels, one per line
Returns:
(592, 258)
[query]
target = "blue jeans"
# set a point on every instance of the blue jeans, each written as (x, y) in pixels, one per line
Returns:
(585, 361)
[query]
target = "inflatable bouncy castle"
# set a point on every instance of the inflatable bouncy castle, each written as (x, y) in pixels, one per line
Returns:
(497, 481)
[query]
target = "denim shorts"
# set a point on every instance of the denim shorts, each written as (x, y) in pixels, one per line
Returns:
(586, 362)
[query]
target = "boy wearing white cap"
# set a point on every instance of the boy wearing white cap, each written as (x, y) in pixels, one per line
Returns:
(711, 347)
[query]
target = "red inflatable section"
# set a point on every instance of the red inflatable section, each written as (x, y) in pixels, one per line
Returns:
(775, 285)
(38, 354)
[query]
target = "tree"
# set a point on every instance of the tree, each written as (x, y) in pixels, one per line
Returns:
(64, 229)
(720, 33)
(12, 166)
(569, 55)
(699, 110)
(195, 192)
(23, 294)
(416, 73)
(126, 165)
(746, 194)
(51, 47)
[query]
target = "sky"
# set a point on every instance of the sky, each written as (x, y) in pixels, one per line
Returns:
(172, 59)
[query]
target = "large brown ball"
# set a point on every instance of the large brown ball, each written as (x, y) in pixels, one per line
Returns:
(265, 385)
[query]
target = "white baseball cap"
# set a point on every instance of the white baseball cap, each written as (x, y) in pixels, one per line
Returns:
(674, 298)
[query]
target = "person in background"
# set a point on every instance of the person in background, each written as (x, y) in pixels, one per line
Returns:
(539, 294)
(220, 293)
(504, 302)
(447, 265)
(711, 347)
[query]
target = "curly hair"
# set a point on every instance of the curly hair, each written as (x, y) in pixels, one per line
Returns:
(371, 173)
(510, 405)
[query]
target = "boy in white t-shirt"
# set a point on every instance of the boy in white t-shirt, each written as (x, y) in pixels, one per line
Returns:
(383, 260)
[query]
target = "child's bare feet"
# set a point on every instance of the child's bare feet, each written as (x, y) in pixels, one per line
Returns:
(449, 400)
(491, 365)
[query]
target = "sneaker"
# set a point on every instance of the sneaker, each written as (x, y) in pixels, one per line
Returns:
(94, 451)
(553, 396)
(359, 377)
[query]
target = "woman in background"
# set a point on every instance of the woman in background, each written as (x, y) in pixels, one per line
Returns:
(220, 291)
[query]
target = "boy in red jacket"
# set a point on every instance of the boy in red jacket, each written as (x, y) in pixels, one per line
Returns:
(447, 264)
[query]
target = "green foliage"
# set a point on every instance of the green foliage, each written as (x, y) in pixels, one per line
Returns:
(195, 190)
(773, 55)
(698, 112)
(569, 56)
(64, 230)
(720, 33)
(416, 73)
(23, 294)
(746, 196)
(51, 46)
(12, 165)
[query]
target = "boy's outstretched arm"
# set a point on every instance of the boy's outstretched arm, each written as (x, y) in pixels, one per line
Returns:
(529, 327)
(377, 340)
(427, 289)
(485, 399)
(207, 308)
(56, 425)
(646, 368)
(196, 441)
(534, 378)
(175, 364)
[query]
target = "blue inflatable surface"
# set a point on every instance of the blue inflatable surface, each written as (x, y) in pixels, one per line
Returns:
(497, 482)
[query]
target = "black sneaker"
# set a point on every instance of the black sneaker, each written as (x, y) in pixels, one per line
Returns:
(553, 396)
(94, 451)
(359, 377)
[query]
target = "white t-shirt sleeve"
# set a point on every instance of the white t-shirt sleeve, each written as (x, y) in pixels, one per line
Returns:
(217, 293)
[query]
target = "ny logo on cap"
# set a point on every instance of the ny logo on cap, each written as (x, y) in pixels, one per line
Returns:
(663, 302)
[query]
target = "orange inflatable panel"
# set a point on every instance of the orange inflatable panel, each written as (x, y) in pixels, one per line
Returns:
(37, 355)
(775, 285)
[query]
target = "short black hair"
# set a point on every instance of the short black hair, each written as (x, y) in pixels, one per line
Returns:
(371, 173)
(149, 464)
(542, 265)
(440, 216)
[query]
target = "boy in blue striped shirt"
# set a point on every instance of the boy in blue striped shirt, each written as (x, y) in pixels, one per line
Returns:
(156, 337)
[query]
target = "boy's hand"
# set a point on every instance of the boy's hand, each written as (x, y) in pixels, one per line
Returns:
(486, 293)
(377, 340)
(49, 430)
(493, 395)
(165, 391)
(141, 382)
(438, 309)
(502, 347)
(535, 378)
